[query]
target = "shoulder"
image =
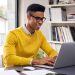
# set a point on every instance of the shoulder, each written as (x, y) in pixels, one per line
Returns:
(16, 30)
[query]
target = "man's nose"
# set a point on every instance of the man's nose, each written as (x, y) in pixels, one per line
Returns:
(40, 21)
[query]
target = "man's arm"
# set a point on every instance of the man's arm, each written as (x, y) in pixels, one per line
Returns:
(45, 45)
(51, 53)
(9, 55)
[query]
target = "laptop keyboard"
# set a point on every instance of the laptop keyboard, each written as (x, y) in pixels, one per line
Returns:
(45, 66)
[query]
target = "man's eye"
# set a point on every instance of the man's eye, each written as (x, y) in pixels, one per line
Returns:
(37, 18)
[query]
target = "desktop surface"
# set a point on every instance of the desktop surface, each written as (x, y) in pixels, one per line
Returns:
(60, 71)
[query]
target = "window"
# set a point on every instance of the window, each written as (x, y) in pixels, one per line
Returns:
(7, 19)
(3, 21)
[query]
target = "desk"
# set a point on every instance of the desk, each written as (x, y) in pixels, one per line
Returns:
(67, 70)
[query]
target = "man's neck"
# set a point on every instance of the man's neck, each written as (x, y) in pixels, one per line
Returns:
(30, 29)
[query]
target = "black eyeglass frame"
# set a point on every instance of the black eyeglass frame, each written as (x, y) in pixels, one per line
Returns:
(38, 18)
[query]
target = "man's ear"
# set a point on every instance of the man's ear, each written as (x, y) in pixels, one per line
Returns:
(28, 17)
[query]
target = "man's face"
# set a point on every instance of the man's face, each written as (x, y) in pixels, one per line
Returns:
(36, 19)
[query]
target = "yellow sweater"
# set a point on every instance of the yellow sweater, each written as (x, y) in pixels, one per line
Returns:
(20, 48)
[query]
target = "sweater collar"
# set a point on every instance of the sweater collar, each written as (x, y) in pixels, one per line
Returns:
(26, 30)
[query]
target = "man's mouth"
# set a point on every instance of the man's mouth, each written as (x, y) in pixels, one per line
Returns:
(38, 27)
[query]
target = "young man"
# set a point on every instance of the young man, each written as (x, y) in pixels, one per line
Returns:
(23, 43)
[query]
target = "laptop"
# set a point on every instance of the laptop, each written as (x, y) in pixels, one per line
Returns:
(65, 58)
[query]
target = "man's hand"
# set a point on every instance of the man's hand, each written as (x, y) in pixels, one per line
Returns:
(45, 60)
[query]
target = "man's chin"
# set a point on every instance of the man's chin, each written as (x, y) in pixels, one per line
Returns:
(37, 28)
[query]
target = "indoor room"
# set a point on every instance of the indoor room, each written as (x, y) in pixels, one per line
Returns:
(36, 35)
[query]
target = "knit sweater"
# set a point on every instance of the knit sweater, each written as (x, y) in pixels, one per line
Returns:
(20, 48)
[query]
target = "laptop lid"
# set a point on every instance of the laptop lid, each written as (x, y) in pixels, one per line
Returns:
(66, 56)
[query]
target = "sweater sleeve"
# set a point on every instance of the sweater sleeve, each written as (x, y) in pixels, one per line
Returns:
(45, 45)
(9, 53)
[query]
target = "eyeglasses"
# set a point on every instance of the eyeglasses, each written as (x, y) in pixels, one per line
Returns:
(39, 18)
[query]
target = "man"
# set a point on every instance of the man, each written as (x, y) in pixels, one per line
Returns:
(23, 43)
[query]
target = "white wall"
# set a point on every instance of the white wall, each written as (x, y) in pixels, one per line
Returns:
(21, 12)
